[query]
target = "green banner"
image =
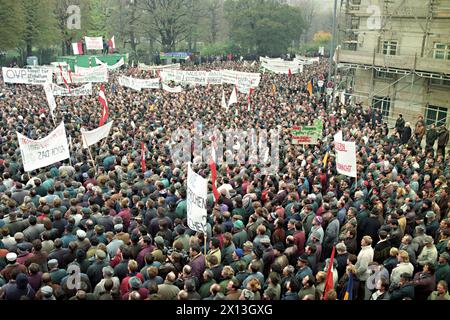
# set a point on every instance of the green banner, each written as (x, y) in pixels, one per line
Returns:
(307, 134)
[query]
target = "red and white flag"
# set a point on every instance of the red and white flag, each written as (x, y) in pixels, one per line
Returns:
(64, 79)
(112, 45)
(212, 166)
(289, 72)
(143, 167)
(70, 73)
(77, 48)
(104, 102)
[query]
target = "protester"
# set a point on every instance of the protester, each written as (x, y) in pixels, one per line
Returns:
(269, 235)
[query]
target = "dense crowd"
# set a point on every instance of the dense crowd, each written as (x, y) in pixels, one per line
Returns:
(122, 233)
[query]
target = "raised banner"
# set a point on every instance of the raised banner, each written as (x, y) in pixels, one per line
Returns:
(85, 90)
(214, 77)
(240, 78)
(197, 192)
(97, 74)
(113, 67)
(346, 158)
(138, 84)
(144, 67)
(94, 136)
(44, 152)
(50, 97)
(195, 77)
(27, 76)
(171, 90)
(94, 43)
(307, 134)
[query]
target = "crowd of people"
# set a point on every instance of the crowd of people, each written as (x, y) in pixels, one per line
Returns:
(122, 232)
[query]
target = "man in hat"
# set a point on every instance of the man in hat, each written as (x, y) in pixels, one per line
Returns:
(404, 289)
(12, 264)
(56, 274)
(248, 253)
(240, 236)
(303, 269)
(432, 224)
(443, 268)
(429, 253)
(82, 241)
(95, 271)
(23, 252)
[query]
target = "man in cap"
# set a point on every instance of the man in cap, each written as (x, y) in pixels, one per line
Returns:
(23, 252)
(12, 264)
(429, 253)
(443, 268)
(82, 242)
(95, 271)
(303, 269)
(240, 236)
(47, 293)
(432, 224)
(56, 274)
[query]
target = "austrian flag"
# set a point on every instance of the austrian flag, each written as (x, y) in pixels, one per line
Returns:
(212, 166)
(104, 103)
(143, 167)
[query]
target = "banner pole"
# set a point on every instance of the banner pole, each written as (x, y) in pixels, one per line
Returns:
(89, 152)
(204, 237)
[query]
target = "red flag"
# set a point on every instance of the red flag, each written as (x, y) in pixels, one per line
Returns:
(64, 79)
(143, 167)
(212, 165)
(104, 103)
(289, 72)
(329, 283)
(112, 45)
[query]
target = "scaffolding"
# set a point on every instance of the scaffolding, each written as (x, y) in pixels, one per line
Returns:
(400, 66)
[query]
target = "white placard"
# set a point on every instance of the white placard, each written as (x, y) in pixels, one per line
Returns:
(346, 158)
(197, 192)
(44, 152)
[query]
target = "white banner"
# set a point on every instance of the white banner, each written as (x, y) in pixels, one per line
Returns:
(345, 158)
(85, 90)
(50, 98)
(240, 78)
(197, 192)
(84, 75)
(94, 43)
(195, 77)
(113, 67)
(129, 82)
(27, 76)
(94, 136)
(214, 77)
(44, 152)
(144, 67)
(171, 90)
(138, 84)
(282, 67)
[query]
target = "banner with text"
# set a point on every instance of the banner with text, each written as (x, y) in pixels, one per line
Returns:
(27, 76)
(85, 90)
(197, 192)
(113, 67)
(307, 134)
(84, 75)
(94, 43)
(44, 152)
(346, 158)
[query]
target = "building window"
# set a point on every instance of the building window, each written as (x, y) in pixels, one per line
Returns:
(436, 115)
(383, 75)
(382, 104)
(440, 82)
(355, 23)
(441, 51)
(390, 47)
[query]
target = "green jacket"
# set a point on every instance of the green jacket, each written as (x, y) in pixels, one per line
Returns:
(442, 272)
(204, 289)
(434, 295)
(181, 210)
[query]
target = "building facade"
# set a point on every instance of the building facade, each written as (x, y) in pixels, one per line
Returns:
(395, 57)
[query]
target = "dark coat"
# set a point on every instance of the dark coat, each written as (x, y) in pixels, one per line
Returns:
(198, 266)
(405, 291)
(424, 284)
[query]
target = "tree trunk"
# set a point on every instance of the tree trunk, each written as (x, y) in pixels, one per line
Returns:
(29, 47)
